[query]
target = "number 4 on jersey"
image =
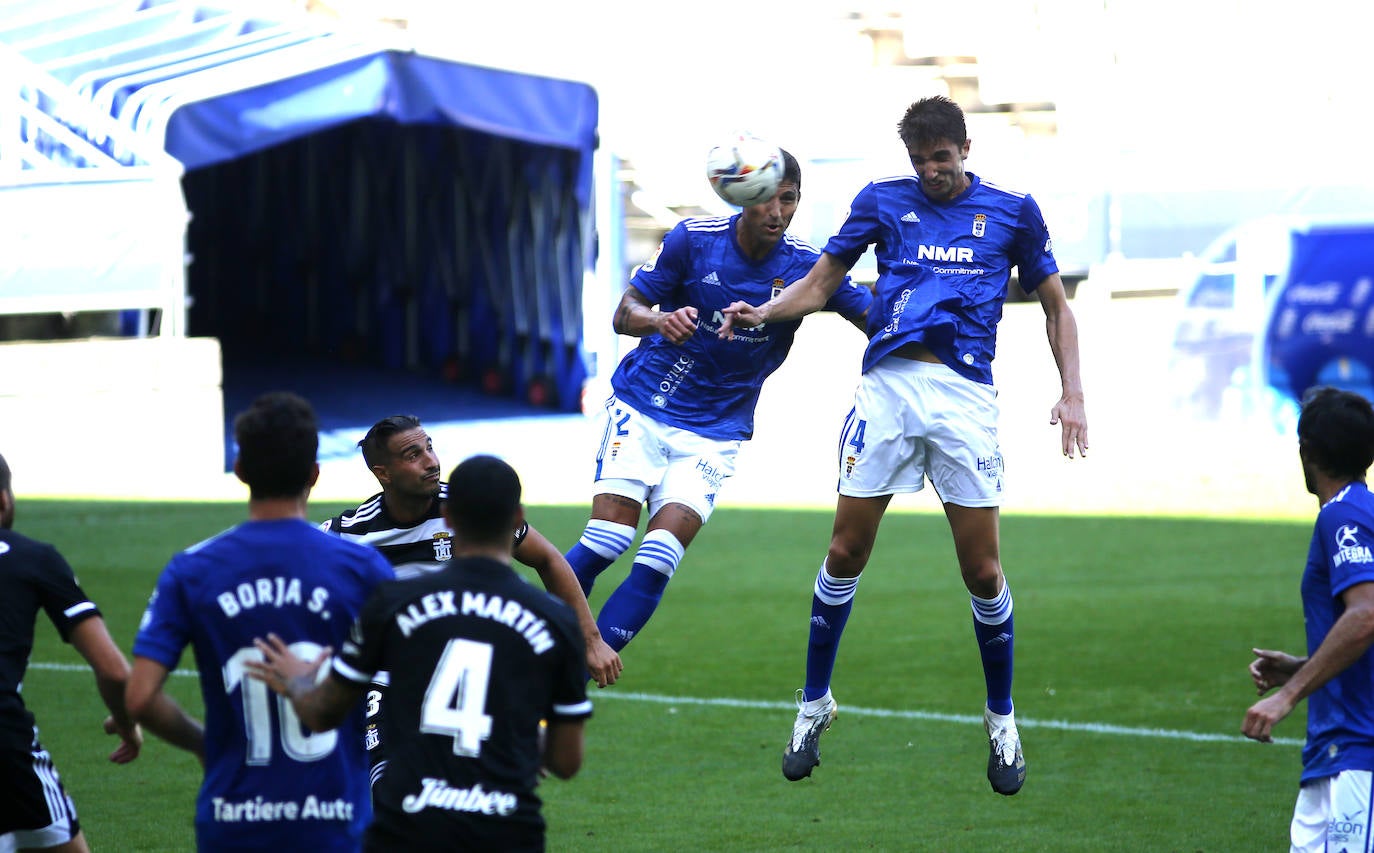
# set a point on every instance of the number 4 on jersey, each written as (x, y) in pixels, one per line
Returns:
(457, 696)
(856, 440)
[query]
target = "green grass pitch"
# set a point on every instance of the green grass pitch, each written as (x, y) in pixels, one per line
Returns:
(1132, 640)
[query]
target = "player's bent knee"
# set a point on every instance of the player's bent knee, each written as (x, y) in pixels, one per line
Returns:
(846, 562)
(983, 579)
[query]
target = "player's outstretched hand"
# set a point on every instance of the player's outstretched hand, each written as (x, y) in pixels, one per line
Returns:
(739, 315)
(130, 741)
(603, 663)
(1268, 670)
(1272, 669)
(1073, 420)
(279, 666)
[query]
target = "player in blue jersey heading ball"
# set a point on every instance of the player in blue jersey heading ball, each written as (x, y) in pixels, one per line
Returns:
(683, 400)
(1336, 677)
(946, 242)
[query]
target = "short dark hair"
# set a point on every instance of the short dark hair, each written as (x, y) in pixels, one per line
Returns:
(1336, 432)
(374, 443)
(278, 439)
(4, 475)
(791, 169)
(483, 499)
(932, 120)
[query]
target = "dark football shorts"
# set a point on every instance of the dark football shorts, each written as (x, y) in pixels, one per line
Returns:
(34, 807)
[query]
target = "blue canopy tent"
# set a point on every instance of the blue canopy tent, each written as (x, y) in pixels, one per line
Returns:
(354, 205)
(397, 209)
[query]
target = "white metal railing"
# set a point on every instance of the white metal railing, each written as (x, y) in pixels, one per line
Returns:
(149, 110)
(39, 114)
(93, 219)
(105, 87)
(94, 209)
(190, 31)
(110, 25)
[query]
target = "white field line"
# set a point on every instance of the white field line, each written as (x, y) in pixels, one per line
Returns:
(1021, 722)
(852, 710)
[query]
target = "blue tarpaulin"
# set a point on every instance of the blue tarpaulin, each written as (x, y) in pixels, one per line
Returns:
(393, 210)
(405, 87)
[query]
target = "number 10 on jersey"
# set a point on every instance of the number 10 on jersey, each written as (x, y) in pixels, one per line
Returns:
(296, 741)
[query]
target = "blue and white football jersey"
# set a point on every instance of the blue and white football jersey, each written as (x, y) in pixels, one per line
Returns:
(707, 385)
(269, 783)
(943, 266)
(1340, 714)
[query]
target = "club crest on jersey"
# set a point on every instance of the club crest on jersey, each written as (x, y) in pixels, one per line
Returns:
(778, 285)
(443, 545)
(615, 449)
(980, 224)
(849, 466)
(1348, 547)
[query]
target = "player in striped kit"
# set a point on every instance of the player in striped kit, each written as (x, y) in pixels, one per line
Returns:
(405, 523)
(946, 242)
(683, 400)
(478, 659)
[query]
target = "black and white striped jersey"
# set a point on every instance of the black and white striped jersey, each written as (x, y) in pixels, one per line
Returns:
(420, 547)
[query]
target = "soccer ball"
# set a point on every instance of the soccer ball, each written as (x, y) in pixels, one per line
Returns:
(744, 170)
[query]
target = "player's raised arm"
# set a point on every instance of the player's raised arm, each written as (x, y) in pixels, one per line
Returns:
(637, 317)
(805, 296)
(537, 552)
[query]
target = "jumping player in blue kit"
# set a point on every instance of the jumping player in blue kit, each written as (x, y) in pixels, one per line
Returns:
(683, 400)
(1336, 677)
(270, 784)
(946, 242)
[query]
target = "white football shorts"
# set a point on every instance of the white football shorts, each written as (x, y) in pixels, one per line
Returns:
(1333, 814)
(914, 420)
(646, 460)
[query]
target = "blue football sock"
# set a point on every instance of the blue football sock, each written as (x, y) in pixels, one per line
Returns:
(832, 599)
(993, 627)
(628, 609)
(601, 544)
